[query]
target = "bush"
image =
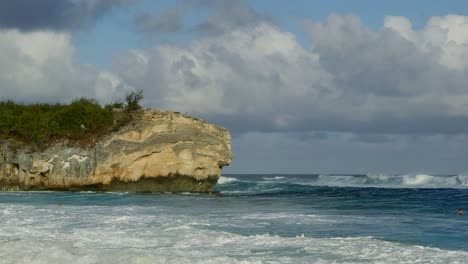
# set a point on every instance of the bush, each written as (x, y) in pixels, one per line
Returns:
(118, 105)
(39, 124)
(83, 119)
(133, 100)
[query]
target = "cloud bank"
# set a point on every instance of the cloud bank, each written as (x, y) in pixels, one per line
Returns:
(352, 79)
(259, 78)
(389, 98)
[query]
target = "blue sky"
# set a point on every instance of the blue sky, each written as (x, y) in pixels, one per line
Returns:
(304, 86)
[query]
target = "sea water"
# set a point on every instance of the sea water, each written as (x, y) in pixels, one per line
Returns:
(250, 219)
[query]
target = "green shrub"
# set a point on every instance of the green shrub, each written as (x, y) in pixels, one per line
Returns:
(39, 124)
(133, 100)
(84, 119)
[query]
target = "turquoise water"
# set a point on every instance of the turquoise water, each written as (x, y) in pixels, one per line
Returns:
(251, 219)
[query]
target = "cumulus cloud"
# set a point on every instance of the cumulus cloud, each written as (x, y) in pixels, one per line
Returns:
(259, 73)
(62, 15)
(260, 78)
(41, 67)
(355, 90)
(409, 78)
(394, 80)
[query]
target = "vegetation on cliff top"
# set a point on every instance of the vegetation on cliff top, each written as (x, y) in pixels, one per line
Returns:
(82, 120)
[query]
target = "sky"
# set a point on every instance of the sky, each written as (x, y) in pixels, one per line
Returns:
(323, 86)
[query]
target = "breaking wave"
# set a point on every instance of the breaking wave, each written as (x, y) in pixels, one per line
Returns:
(394, 181)
(274, 178)
(291, 183)
(223, 180)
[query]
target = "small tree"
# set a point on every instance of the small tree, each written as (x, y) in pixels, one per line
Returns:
(133, 100)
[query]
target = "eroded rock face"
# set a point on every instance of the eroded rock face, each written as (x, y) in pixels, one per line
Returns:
(159, 151)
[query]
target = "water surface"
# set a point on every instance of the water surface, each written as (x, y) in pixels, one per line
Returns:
(252, 219)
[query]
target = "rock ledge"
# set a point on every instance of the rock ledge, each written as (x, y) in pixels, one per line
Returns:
(159, 151)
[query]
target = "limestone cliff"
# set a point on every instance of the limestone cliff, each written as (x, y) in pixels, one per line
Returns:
(159, 151)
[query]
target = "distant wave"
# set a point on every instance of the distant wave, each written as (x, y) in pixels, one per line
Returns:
(256, 184)
(274, 178)
(223, 180)
(393, 181)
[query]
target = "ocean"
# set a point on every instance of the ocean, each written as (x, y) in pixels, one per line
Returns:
(250, 219)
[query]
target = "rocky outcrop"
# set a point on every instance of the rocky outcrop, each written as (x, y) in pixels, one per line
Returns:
(159, 151)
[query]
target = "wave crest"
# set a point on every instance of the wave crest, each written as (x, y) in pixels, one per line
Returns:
(224, 180)
(394, 181)
(259, 183)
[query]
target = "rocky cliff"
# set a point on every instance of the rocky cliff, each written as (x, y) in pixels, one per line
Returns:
(159, 151)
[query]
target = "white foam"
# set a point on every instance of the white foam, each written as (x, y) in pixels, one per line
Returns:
(201, 246)
(369, 180)
(429, 181)
(224, 179)
(308, 219)
(274, 178)
(141, 234)
(391, 181)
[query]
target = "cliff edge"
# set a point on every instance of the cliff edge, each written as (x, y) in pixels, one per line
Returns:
(158, 151)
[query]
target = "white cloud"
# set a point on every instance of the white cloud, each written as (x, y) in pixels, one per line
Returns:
(396, 79)
(400, 73)
(446, 36)
(353, 81)
(258, 77)
(253, 71)
(40, 66)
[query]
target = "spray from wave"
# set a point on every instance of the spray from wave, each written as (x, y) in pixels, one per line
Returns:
(264, 183)
(224, 180)
(274, 178)
(393, 181)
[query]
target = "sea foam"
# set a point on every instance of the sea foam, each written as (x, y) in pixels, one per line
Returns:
(191, 245)
(392, 181)
(318, 225)
(224, 179)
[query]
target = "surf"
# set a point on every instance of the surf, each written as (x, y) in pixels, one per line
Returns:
(410, 181)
